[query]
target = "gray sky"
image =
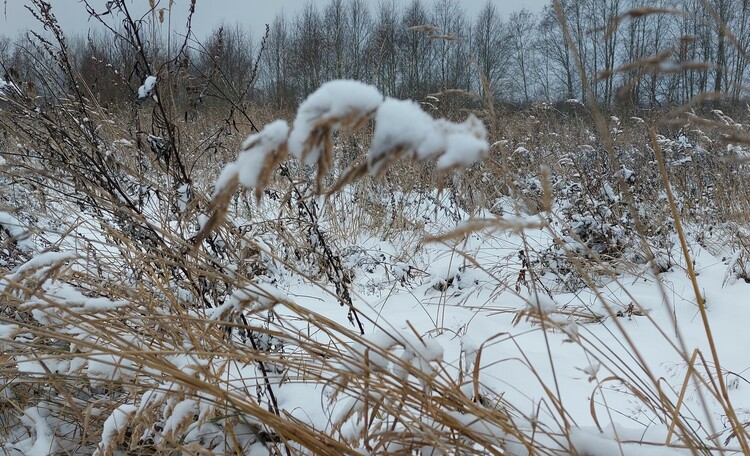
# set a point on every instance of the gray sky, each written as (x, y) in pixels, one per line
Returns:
(254, 13)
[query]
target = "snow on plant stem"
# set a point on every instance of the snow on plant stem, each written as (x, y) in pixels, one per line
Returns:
(147, 89)
(334, 102)
(114, 426)
(402, 125)
(260, 154)
(402, 128)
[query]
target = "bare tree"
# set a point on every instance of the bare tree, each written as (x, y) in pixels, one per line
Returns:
(415, 52)
(488, 47)
(520, 37)
(383, 48)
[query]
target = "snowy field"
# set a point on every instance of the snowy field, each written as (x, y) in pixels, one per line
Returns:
(270, 309)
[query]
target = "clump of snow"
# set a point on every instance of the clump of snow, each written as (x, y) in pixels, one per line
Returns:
(402, 126)
(147, 89)
(465, 143)
(332, 103)
(42, 442)
(184, 195)
(541, 304)
(105, 368)
(591, 370)
(398, 124)
(258, 152)
(262, 296)
(182, 413)
(624, 173)
(114, 428)
(470, 350)
(70, 297)
(256, 148)
(209, 435)
(417, 356)
(43, 260)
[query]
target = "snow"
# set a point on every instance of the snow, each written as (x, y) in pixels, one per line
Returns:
(71, 298)
(332, 103)
(398, 124)
(147, 88)
(42, 442)
(592, 443)
(7, 332)
(465, 143)
(624, 173)
(181, 413)
(114, 426)
(105, 368)
(14, 227)
(262, 296)
(183, 192)
(402, 126)
(439, 316)
(257, 150)
(45, 259)
(542, 304)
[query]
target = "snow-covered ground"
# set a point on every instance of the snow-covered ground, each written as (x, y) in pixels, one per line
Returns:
(236, 328)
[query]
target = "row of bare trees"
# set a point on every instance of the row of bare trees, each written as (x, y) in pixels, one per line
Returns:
(632, 52)
(635, 52)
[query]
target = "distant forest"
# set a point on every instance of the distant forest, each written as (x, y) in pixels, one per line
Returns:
(634, 53)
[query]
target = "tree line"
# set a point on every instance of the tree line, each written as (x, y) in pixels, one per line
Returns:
(634, 53)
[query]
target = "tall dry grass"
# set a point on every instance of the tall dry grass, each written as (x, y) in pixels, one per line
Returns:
(155, 322)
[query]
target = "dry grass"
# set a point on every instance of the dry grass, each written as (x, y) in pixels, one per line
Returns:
(189, 332)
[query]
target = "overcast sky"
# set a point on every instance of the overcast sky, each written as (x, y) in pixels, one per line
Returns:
(253, 13)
